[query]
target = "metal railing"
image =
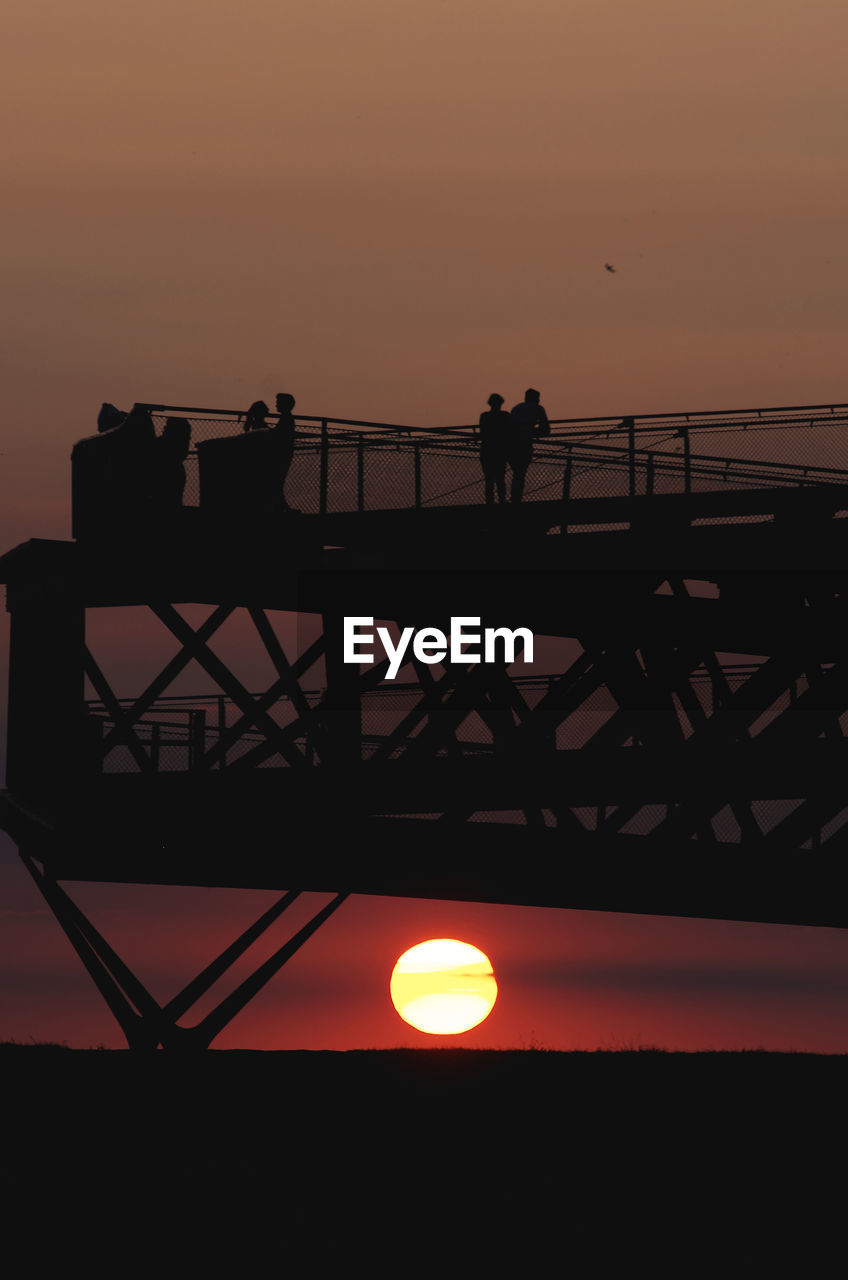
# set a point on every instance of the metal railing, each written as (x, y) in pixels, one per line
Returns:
(349, 465)
(189, 733)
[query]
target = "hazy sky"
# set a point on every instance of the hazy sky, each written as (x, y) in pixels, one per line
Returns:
(392, 209)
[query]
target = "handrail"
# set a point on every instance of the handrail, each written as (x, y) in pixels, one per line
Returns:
(440, 463)
(587, 451)
(693, 419)
(400, 687)
(239, 414)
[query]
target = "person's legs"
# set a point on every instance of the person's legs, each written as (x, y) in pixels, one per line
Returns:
(489, 480)
(287, 454)
(519, 461)
(494, 470)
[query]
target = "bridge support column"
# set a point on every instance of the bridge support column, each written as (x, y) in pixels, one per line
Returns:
(145, 1023)
(46, 687)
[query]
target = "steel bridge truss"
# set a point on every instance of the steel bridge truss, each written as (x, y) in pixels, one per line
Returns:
(655, 728)
(688, 708)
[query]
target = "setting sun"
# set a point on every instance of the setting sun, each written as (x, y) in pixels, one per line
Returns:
(443, 986)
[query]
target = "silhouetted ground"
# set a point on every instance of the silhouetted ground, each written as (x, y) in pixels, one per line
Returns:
(628, 1153)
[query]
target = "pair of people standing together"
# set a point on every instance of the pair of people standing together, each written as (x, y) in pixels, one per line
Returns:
(284, 431)
(506, 440)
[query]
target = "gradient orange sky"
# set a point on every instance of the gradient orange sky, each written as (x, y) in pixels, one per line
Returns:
(393, 209)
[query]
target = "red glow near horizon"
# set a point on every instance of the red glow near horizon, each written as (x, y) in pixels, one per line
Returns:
(408, 208)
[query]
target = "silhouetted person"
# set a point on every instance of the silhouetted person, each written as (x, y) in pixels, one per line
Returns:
(255, 417)
(285, 430)
(169, 477)
(528, 420)
(494, 429)
(130, 467)
(109, 417)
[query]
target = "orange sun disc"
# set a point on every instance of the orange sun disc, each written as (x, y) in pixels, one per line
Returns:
(443, 986)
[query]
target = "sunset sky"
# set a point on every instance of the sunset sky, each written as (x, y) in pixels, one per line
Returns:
(391, 210)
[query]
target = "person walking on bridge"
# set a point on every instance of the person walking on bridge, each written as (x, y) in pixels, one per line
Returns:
(528, 420)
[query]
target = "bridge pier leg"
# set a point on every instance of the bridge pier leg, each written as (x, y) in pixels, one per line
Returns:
(145, 1023)
(46, 717)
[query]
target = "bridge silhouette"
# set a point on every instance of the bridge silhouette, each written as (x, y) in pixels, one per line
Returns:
(381, 466)
(683, 752)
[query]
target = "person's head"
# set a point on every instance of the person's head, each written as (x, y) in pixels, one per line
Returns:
(495, 400)
(139, 423)
(285, 402)
(531, 395)
(256, 415)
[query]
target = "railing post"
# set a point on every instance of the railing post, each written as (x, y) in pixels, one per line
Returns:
(155, 739)
(566, 475)
(360, 474)
(196, 738)
(566, 485)
(325, 468)
(631, 449)
(687, 461)
(416, 454)
(649, 474)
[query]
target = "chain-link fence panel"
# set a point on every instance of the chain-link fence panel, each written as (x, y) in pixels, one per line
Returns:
(337, 468)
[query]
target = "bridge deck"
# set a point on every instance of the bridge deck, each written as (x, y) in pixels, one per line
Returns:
(773, 529)
(586, 566)
(260, 834)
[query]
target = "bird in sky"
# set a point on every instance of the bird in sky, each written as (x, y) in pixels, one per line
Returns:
(609, 267)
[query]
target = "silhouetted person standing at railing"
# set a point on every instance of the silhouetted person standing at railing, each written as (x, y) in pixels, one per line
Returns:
(528, 420)
(285, 430)
(169, 475)
(255, 417)
(131, 464)
(494, 430)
